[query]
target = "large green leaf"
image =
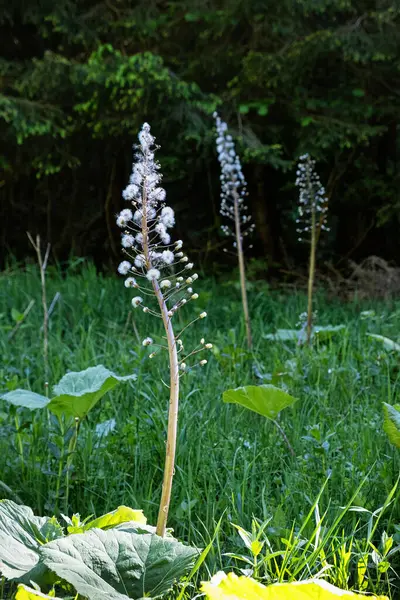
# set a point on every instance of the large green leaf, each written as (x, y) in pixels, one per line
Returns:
(115, 565)
(21, 535)
(299, 335)
(388, 344)
(327, 331)
(78, 392)
(391, 423)
(284, 335)
(25, 398)
(266, 400)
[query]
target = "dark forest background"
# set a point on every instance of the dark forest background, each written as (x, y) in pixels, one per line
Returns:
(79, 77)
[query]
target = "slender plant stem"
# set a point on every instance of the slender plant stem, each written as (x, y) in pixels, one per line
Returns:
(311, 273)
(172, 429)
(283, 434)
(42, 261)
(71, 450)
(60, 464)
(242, 270)
(20, 446)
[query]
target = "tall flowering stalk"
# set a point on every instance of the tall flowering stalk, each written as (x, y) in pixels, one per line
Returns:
(158, 270)
(233, 206)
(313, 208)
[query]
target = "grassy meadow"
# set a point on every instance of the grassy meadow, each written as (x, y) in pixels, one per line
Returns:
(232, 464)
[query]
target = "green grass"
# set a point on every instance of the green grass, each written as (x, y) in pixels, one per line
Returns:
(230, 462)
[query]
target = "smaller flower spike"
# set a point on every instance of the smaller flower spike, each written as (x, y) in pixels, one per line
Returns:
(233, 183)
(313, 208)
(312, 198)
(233, 207)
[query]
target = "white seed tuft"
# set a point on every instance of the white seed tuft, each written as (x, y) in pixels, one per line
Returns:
(136, 301)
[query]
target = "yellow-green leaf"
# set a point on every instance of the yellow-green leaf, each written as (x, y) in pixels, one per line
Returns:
(26, 593)
(391, 423)
(232, 587)
(122, 514)
(266, 400)
(256, 547)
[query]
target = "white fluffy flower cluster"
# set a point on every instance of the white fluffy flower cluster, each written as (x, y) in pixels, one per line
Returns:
(146, 241)
(233, 183)
(312, 197)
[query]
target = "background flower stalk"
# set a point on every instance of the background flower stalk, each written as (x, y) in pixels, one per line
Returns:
(233, 207)
(313, 208)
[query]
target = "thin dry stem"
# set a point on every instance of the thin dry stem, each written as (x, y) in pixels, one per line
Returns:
(284, 436)
(172, 415)
(242, 270)
(172, 430)
(42, 261)
(311, 275)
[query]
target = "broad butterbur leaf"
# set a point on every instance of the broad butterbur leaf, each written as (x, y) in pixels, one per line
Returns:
(26, 399)
(391, 423)
(284, 335)
(138, 527)
(266, 400)
(325, 332)
(27, 593)
(21, 535)
(231, 587)
(322, 332)
(105, 428)
(116, 565)
(388, 344)
(122, 514)
(75, 395)
(78, 392)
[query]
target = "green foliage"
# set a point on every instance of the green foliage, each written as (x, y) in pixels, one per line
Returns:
(21, 536)
(77, 79)
(317, 545)
(266, 400)
(76, 394)
(97, 558)
(122, 514)
(388, 344)
(26, 593)
(319, 332)
(230, 463)
(391, 423)
(25, 398)
(132, 565)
